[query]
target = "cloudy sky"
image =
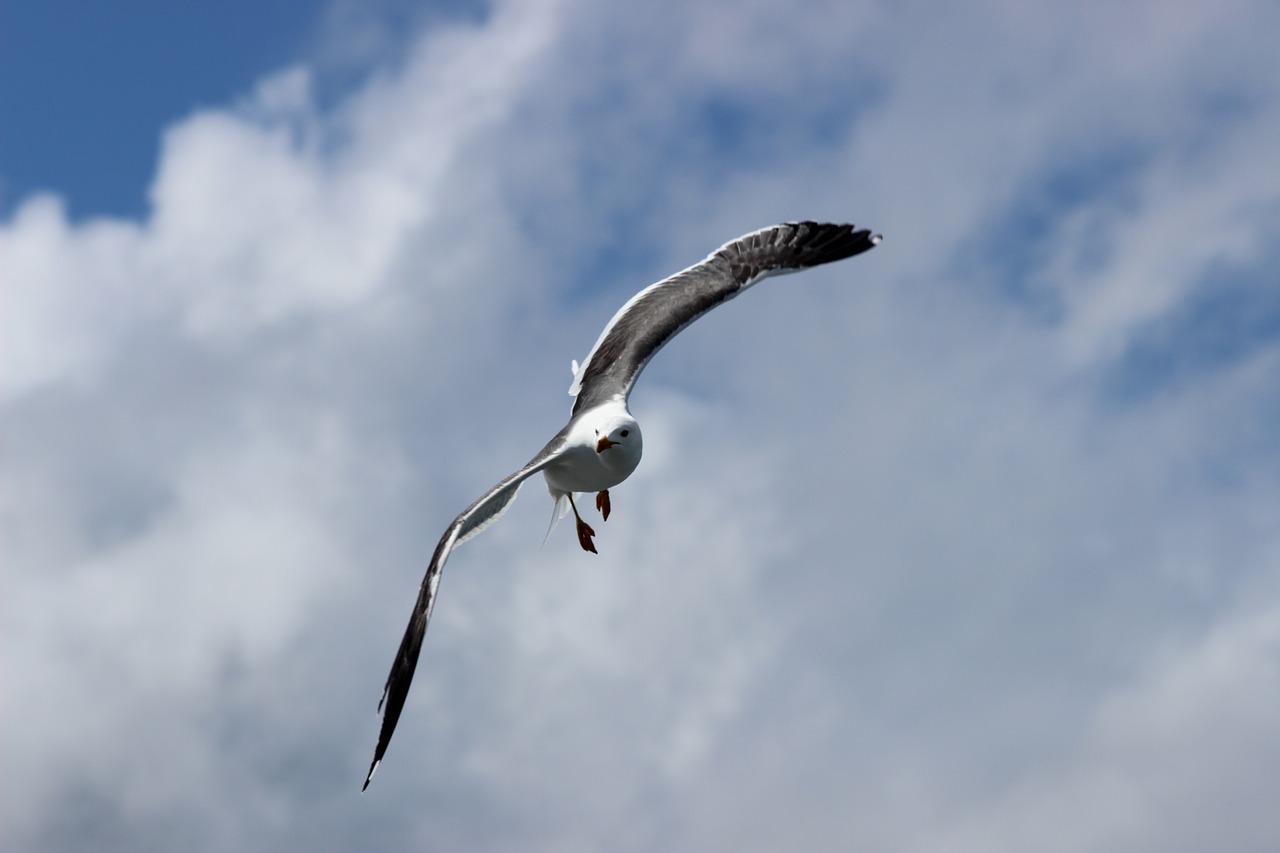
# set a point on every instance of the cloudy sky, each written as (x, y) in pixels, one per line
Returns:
(971, 543)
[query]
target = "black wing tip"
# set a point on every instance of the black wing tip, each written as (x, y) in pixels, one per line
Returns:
(839, 230)
(394, 699)
(815, 243)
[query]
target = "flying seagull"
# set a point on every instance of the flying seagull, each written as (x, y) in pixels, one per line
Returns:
(601, 444)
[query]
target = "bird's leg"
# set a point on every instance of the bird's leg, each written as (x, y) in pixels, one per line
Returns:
(584, 530)
(602, 503)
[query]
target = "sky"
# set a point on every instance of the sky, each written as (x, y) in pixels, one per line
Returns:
(970, 543)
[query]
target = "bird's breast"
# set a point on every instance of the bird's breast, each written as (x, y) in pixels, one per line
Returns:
(584, 470)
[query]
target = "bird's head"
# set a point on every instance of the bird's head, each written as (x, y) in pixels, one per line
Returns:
(617, 440)
(621, 434)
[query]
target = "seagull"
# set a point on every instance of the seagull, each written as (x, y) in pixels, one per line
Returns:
(601, 444)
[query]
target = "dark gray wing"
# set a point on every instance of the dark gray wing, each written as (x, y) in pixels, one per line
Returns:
(471, 521)
(654, 315)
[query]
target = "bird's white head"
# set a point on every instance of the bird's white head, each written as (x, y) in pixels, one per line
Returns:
(618, 441)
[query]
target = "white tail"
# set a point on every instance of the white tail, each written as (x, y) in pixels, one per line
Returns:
(559, 508)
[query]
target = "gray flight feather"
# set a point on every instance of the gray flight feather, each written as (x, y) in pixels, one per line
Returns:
(654, 315)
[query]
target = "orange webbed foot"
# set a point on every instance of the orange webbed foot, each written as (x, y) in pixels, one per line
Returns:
(584, 537)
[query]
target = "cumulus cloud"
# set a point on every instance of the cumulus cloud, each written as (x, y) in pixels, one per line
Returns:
(964, 544)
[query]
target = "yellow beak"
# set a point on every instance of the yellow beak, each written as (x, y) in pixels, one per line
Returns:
(604, 444)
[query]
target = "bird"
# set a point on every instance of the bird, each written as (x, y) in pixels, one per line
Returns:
(601, 444)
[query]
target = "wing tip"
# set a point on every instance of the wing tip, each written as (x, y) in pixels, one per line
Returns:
(373, 768)
(814, 243)
(820, 243)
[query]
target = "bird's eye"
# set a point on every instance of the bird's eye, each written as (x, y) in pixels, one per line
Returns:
(625, 433)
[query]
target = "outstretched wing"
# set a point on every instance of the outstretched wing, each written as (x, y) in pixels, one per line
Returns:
(654, 315)
(471, 521)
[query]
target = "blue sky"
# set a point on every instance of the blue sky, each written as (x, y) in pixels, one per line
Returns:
(967, 544)
(86, 87)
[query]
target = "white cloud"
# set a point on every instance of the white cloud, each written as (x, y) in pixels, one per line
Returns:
(976, 599)
(1173, 760)
(54, 326)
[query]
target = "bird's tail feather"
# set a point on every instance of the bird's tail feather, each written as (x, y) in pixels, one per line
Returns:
(559, 508)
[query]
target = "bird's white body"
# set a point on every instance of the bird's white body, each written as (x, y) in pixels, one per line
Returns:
(584, 466)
